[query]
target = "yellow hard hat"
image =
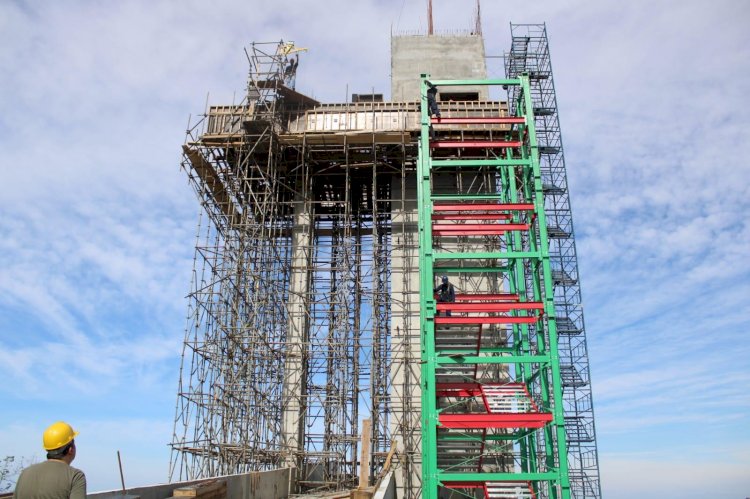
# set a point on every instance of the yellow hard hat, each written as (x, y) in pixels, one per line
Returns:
(58, 435)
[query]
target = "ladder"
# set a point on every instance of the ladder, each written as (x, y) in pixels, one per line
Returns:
(492, 412)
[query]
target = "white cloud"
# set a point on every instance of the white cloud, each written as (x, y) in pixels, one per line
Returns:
(97, 221)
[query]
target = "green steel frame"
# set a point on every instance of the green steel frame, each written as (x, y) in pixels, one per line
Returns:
(537, 452)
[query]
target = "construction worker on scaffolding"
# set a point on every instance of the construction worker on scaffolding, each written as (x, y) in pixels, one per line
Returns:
(289, 65)
(54, 478)
(445, 293)
(290, 71)
(432, 106)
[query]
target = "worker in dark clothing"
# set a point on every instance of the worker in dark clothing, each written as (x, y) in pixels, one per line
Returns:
(290, 71)
(432, 106)
(54, 478)
(445, 293)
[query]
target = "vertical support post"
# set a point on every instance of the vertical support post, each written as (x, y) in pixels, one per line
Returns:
(561, 459)
(427, 304)
(295, 361)
(529, 52)
(364, 460)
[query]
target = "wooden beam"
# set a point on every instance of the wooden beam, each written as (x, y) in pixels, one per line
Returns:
(364, 461)
(212, 183)
(211, 489)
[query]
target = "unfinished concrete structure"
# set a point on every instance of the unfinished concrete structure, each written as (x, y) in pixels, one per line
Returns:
(304, 306)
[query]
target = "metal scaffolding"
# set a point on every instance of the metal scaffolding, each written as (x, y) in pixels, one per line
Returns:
(492, 417)
(529, 53)
(304, 308)
(288, 342)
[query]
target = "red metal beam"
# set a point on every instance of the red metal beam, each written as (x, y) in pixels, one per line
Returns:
(474, 144)
(497, 226)
(458, 386)
(463, 485)
(499, 296)
(470, 421)
(482, 207)
(486, 320)
(459, 393)
(456, 233)
(480, 120)
(476, 385)
(490, 307)
(475, 229)
(474, 216)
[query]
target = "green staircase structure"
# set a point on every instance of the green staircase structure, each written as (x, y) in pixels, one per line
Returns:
(492, 412)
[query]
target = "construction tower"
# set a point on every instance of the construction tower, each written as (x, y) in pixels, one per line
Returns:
(312, 319)
(529, 53)
(492, 416)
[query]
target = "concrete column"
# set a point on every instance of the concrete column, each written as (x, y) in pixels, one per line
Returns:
(295, 364)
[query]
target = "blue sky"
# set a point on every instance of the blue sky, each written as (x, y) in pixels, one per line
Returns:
(98, 222)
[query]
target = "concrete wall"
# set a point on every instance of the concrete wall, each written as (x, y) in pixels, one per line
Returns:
(387, 489)
(273, 484)
(442, 57)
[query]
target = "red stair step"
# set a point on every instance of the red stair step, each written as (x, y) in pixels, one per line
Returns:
(474, 144)
(490, 307)
(480, 120)
(475, 229)
(482, 207)
(485, 320)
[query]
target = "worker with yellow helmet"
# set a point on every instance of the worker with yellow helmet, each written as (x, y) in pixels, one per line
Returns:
(54, 478)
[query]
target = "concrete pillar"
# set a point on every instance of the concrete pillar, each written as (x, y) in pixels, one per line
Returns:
(295, 365)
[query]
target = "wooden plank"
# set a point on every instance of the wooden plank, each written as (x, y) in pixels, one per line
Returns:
(388, 459)
(211, 489)
(340, 138)
(290, 95)
(212, 183)
(364, 461)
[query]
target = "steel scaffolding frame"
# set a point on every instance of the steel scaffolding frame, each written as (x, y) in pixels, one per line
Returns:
(492, 407)
(304, 308)
(529, 53)
(287, 341)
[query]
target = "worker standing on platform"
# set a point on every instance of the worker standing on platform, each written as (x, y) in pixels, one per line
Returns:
(54, 478)
(290, 71)
(287, 70)
(445, 293)
(432, 106)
